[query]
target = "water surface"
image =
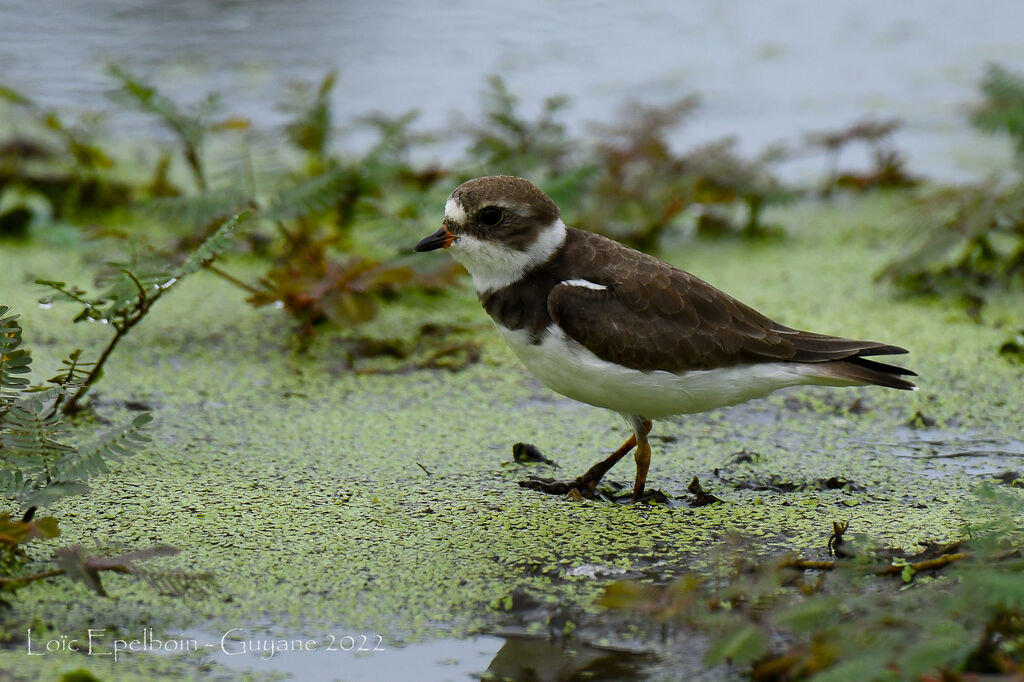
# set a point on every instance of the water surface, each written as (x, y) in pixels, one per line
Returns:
(767, 72)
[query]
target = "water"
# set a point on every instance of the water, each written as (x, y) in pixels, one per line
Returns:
(767, 72)
(361, 658)
(437, 661)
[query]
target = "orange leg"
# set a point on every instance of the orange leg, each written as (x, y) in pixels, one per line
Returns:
(587, 483)
(642, 427)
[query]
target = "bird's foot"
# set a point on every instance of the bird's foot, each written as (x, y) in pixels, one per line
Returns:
(583, 486)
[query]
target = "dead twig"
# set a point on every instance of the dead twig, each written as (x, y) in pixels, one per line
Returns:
(20, 579)
(892, 569)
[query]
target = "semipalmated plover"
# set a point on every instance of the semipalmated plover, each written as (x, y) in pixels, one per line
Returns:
(607, 325)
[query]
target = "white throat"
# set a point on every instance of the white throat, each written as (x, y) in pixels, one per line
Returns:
(494, 265)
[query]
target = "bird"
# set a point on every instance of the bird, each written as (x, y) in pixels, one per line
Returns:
(606, 325)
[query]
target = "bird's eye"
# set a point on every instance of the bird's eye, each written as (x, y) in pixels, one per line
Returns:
(490, 216)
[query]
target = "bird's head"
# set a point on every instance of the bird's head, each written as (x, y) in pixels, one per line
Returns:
(499, 227)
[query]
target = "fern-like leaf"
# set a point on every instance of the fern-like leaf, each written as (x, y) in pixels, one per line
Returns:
(44, 497)
(311, 196)
(135, 92)
(310, 130)
(174, 582)
(75, 371)
(1003, 108)
(79, 565)
(14, 361)
(196, 211)
(214, 245)
(10, 331)
(190, 126)
(29, 433)
(80, 465)
(14, 484)
(91, 308)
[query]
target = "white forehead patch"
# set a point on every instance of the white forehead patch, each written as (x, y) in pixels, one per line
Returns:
(454, 211)
(585, 283)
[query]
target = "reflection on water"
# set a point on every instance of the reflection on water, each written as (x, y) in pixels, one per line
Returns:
(540, 660)
(512, 657)
(766, 71)
(325, 659)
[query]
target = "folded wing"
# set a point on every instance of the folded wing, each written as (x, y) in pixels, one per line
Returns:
(659, 317)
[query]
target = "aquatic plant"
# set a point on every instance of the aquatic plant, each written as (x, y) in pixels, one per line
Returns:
(191, 127)
(39, 465)
(324, 264)
(971, 238)
(507, 140)
(723, 177)
(625, 180)
(640, 186)
(334, 227)
(643, 187)
(889, 164)
(949, 612)
(311, 126)
(1002, 109)
(127, 296)
(52, 168)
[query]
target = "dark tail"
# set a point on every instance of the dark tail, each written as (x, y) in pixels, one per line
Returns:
(861, 370)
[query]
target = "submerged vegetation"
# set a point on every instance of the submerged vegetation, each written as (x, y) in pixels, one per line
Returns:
(945, 614)
(971, 239)
(333, 228)
(295, 224)
(127, 297)
(39, 466)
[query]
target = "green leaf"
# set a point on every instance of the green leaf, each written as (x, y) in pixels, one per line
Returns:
(1003, 108)
(14, 97)
(312, 196)
(741, 645)
(53, 492)
(13, 483)
(214, 245)
(80, 465)
(144, 97)
(350, 308)
(810, 614)
(124, 560)
(47, 527)
(196, 211)
(13, 360)
(947, 648)
(29, 432)
(866, 668)
(72, 562)
(311, 128)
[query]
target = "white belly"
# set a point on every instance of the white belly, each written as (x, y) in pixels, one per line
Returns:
(569, 368)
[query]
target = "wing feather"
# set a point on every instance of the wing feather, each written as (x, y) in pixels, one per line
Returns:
(651, 315)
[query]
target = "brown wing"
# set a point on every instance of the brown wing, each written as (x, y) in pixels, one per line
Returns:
(655, 316)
